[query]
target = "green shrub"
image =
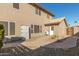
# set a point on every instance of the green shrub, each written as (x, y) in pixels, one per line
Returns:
(54, 36)
(1, 35)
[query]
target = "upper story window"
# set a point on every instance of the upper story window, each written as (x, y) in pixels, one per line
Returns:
(16, 5)
(38, 11)
(52, 27)
(48, 16)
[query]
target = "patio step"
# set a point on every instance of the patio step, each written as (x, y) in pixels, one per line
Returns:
(16, 51)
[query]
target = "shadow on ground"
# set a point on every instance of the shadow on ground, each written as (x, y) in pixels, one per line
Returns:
(13, 39)
(65, 47)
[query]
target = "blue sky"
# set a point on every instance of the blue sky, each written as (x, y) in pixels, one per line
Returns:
(68, 10)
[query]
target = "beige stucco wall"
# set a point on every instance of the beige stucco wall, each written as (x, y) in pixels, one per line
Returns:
(76, 29)
(60, 30)
(23, 16)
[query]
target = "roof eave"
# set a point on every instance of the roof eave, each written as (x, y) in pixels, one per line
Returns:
(36, 5)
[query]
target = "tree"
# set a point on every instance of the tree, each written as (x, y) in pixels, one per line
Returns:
(76, 22)
(1, 35)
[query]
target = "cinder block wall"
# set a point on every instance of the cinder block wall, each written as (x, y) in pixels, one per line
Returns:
(60, 30)
(76, 30)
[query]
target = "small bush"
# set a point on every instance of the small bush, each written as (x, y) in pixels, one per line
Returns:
(54, 36)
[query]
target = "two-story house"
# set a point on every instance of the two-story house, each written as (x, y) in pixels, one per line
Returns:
(17, 18)
(24, 19)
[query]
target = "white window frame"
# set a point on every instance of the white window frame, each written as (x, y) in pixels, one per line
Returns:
(5, 20)
(9, 29)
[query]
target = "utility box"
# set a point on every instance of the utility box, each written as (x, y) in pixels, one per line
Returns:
(25, 32)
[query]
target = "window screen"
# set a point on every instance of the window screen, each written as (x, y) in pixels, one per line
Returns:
(52, 28)
(32, 29)
(36, 29)
(39, 12)
(16, 5)
(40, 28)
(12, 28)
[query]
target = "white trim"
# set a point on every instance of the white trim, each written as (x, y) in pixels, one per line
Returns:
(1, 19)
(10, 36)
(9, 27)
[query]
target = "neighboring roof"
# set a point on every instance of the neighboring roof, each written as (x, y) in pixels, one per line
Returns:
(75, 26)
(56, 21)
(37, 5)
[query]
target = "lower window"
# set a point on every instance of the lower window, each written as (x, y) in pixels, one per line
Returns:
(8, 28)
(36, 29)
(12, 28)
(5, 24)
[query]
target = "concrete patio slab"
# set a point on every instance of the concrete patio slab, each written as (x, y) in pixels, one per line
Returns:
(36, 43)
